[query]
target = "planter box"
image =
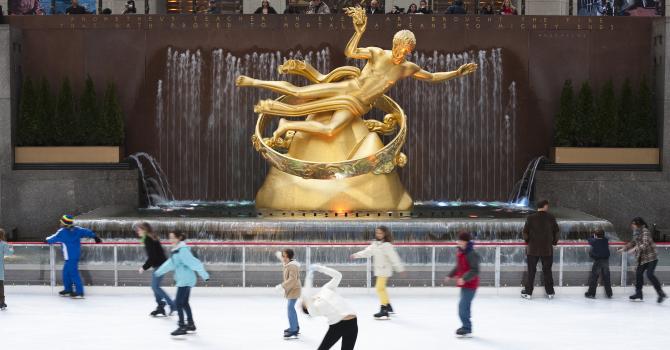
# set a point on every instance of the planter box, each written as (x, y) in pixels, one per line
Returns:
(66, 155)
(602, 155)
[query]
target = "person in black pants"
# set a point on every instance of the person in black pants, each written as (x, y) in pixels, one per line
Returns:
(600, 253)
(155, 258)
(644, 248)
(540, 234)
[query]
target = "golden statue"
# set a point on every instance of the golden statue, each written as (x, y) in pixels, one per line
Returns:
(333, 159)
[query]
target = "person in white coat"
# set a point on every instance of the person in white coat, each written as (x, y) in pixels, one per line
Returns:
(385, 259)
(329, 304)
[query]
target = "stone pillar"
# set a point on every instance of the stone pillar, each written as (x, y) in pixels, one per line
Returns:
(661, 51)
(6, 103)
(547, 7)
(4, 4)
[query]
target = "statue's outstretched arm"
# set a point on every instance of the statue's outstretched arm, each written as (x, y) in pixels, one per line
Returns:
(443, 76)
(360, 21)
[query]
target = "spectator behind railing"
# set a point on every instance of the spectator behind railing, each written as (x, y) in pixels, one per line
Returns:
(507, 8)
(265, 8)
(76, 9)
(130, 7)
(213, 9)
(25, 7)
(487, 10)
(423, 8)
(397, 10)
(456, 8)
(318, 7)
(412, 10)
(374, 8)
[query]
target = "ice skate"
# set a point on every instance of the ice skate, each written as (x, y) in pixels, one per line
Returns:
(159, 312)
(389, 309)
(551, 296)
(526, 295)
(383, 314)
(287, 330)
(464, 333)
(64, 293)
(77, 296)
(181, 331)
(291, 335)
(589, 296)
(3, 307)
(661, 297)
(636, 297)
(191, 328)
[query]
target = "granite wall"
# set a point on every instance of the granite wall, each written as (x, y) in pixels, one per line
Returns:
(31, 201)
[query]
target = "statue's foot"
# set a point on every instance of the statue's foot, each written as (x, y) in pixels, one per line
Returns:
(243, 80)
(290, 65)
(263, 106)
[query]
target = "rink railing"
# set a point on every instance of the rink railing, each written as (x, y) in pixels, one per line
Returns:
(254, 257)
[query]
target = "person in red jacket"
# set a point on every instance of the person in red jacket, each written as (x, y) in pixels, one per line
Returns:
(466, 274)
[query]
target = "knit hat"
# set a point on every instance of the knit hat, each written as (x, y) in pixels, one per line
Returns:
(67, 220)
(465, 236)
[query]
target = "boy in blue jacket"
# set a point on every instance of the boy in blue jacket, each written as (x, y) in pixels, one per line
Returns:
(185, 266)
(69, 236)
(600, 253)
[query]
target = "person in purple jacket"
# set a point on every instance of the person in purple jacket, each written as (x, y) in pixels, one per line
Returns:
(69, 236)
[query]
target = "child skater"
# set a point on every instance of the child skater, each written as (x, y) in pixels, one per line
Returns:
(326, 302)
(466, 273)
(69, 236)
(291, 288)
(385, 260)
(185, 266)
(5, 250)
(155, 258)
(600, 253)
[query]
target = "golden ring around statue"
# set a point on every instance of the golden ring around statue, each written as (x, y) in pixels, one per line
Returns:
(383, 161)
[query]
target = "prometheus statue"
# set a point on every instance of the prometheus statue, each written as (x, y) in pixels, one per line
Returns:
(335, 160)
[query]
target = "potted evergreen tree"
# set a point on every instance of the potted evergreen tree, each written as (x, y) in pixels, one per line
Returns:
(607, 129)
(53, 130)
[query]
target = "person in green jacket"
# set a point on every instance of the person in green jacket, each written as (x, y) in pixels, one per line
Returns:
(5, 250)
(185, 267)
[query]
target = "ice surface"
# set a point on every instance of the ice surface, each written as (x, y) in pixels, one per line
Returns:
(250, 319)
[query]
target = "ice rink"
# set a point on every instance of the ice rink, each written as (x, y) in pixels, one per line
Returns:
(246, 319)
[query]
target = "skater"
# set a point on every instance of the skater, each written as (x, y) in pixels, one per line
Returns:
(341, 316)
(69, 236)
(385, 260)
(185, 266)
(5, 250)
(540, 234)
(600, 253)
(291, 289)
(155, 258)
(647, 259)
(466, 273)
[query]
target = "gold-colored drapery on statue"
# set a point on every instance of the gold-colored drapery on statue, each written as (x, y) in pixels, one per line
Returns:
(334, 159)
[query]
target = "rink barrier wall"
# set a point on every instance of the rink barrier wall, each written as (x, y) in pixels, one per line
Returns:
(264, 269)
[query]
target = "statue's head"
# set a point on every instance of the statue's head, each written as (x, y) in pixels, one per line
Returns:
(404, 43)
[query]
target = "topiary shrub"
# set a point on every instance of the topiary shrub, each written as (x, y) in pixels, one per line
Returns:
(604, 132)
(89, 128)
(646, 134)
(28, 122)
(565, 119)
(66, 119)
(112, 118)
(584, 116)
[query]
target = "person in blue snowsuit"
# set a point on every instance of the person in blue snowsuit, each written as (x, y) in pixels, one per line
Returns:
(69, 236)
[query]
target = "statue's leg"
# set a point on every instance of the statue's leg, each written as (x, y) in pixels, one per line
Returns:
(272, 107)
(331, 127)
(285, 88)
